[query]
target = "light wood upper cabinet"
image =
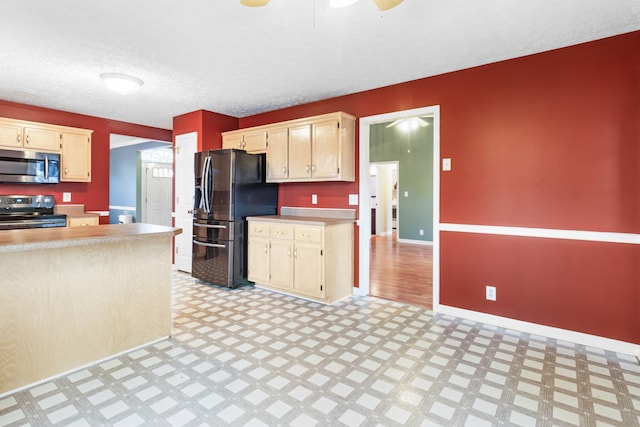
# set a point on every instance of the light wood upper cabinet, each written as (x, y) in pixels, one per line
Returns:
(278, 154)
(318, 148)
(256, 141)
(21, 135)
(252, 141)
(41, 138)
(10, 134)
(73, 144)
(325, 150)
(76, 156)
(232, 140)
(299, 152)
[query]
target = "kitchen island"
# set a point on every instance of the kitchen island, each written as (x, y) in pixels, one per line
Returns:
(73, 296)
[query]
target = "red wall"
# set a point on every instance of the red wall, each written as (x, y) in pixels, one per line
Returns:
(209, 126)
(549, 140)
(545, 141)
(94, 195)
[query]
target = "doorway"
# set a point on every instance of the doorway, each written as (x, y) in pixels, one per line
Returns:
(366, 124)
(384, 199)
(127, 178)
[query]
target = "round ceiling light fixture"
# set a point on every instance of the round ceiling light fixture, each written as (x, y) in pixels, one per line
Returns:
(254, 3)
(386, 4)
(122, 84)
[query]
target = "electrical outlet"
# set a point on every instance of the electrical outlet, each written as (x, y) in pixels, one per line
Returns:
(421, 232)
(353, 199)
(446, 164)
(66, 197)
(314, 199)
(491, 293)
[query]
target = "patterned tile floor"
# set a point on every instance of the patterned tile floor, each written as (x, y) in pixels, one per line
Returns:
(250, 357)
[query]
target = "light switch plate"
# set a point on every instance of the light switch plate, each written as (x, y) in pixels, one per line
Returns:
(406, 194)
(314, 199)
(446, 164)
(66, 197)
(353, 199)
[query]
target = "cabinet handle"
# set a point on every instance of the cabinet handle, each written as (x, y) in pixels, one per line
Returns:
(289, 253)
(295, 253)
(27, 139)
(19, 138)
(66, 170)
(307, 168)
(266, 249)
(313, 168)
(284, 169)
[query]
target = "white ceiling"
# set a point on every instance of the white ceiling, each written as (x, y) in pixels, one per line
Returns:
(220, 56)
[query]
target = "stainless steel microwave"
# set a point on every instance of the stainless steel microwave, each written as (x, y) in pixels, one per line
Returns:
(29, 167)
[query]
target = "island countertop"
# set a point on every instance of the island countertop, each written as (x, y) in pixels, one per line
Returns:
(56, 237)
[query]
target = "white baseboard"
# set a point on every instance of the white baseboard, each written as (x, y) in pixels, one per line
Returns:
(416, 242)
(547, 331)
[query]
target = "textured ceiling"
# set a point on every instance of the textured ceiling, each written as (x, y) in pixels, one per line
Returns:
(220, 56)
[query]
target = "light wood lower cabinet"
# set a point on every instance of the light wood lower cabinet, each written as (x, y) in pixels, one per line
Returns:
(313, 259)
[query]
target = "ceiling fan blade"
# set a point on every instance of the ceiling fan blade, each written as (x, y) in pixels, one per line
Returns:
(386, 4)
(254, 3)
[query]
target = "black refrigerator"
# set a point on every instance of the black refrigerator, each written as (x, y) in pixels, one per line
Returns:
(229, 186)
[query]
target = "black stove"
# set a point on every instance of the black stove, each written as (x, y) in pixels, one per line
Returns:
(18, 212)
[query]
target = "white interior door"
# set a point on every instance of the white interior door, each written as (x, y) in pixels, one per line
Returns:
(156, 194)
(186, 147)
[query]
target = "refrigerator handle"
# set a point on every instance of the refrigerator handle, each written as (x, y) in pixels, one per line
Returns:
(209, 245)
(206, 169)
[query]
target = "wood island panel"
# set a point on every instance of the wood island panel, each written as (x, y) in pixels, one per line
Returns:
(68, 299)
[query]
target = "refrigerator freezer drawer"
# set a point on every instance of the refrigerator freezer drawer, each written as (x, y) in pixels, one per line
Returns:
(213, 262)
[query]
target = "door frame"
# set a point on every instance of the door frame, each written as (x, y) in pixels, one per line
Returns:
(183, 240)
(364, 215)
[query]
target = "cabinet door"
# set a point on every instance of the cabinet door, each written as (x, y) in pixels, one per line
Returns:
(10, 134)
(278, 154)
(308, 277)
(42, 139)
(325, 152)
(258, 260)
(232, 141)
(255, 142)
(300, 152)
(281, 263)
(76, 157)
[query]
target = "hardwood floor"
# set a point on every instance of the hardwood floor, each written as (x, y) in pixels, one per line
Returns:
(401, 271)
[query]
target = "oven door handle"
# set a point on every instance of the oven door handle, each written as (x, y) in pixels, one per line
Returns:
(28, 222)
(46, 167)
(195, 224)
(210, 245)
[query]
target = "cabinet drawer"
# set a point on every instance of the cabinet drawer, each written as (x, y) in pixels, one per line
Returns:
(259, 228)
(308, 234)
(82, 221)
(281, 231)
